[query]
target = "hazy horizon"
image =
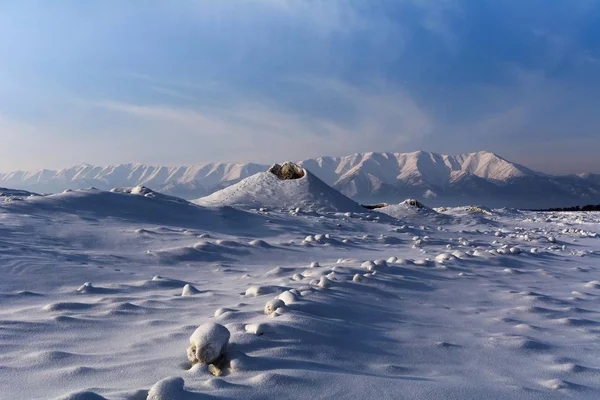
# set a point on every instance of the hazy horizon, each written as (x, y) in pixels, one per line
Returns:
(111, 82)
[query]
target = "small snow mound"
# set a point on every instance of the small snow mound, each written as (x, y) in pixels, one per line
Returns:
(368, 265)
(380, 263)
(82, 396)
(221, 311)
(189, 290)
(422, 263)
(207, 343)
(86, 288)
(273, 305)
(288, 297)
(459, 254)
(444, 257)
(255, 291)
(167, 389)
(287, 171)
(256, 329)
(297, 277)
(413, 209)
(515, 250)
(555, 384)
(568, 367)
(277, 271)
(324, 282)
(240, 362)
(593, 285)
(259, 243)
(517, 342)
(480, 253)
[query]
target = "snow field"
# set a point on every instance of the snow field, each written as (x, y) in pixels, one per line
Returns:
(111, 320)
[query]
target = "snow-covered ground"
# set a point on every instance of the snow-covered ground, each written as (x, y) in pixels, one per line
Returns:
(457, 303)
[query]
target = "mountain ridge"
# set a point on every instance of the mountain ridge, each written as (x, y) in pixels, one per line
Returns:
(481, 177)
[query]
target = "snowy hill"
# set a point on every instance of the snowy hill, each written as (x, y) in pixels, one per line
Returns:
(12, 193)
(437, 179)
(138, 205)
(266, 189)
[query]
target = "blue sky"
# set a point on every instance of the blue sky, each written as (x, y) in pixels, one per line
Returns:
(180, 82)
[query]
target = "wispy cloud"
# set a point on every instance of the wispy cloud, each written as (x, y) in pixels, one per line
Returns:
(383, 120)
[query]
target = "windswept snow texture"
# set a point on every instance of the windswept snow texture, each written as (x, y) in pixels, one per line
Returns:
(265, 189)
(101, 293)
(436, 179)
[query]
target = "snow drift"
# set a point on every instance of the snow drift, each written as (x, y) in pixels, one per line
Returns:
(140, 205)
(407, 208)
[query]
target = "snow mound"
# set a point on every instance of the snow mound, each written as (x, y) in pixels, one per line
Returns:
(288, 186)
(412, 209)
(140, 205)
(407, 207)
(189, 290)
(147, 192)
(86, 395)
(273, 305)
(208, 343)
(167, 389)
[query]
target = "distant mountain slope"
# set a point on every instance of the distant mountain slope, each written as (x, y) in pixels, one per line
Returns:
(185, 181)
(436, 179)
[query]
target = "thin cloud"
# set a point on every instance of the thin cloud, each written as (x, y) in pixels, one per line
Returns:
(384, 120)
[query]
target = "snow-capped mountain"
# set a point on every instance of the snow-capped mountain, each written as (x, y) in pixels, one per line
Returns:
(185, 181)
(436, 179)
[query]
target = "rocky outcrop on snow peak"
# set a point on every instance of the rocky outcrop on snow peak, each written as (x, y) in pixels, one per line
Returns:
(436, 179)
(287, 171)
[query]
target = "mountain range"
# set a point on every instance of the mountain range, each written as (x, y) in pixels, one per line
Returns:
(435, 179)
